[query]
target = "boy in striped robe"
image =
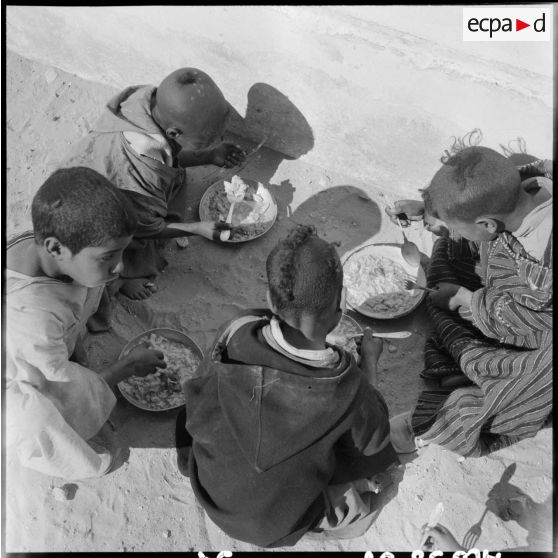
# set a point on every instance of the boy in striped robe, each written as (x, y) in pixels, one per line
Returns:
(491, 351)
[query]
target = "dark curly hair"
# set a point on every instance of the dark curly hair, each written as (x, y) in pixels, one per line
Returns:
(304, 272)
(81, 208)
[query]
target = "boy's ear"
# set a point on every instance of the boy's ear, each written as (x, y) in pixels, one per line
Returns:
(173, 133)
(55, 249)
(493, 226)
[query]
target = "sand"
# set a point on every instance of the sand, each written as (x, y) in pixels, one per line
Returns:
(146, 505)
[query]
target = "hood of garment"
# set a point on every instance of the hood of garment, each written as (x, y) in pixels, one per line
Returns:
(130, 111)
(276, 407)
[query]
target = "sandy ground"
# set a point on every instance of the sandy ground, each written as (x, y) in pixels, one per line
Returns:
(146, 505)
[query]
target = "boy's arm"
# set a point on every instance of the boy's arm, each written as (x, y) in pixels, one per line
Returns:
(43, 347)
(365, 450)
(225, 155)
(502, 312)
(498, 312)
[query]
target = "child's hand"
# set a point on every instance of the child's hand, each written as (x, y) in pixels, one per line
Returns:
(369, 347)
(210, 229)
(227, 155)
(435, 226)
(143, 361)
(449, 296)
(439, 538)
(413, 210)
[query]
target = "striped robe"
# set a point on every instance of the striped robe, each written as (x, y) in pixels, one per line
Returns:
(502, 348)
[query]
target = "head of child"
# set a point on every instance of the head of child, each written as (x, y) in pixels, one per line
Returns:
(81, 224)
(305, 283)
(190, 108)
(474, 193)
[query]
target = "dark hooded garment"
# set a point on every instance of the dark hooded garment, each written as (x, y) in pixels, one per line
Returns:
(270, 434)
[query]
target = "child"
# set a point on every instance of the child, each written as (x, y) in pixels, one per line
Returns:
(141, 144)
(492, 309)
(287, 430)
(55, 276)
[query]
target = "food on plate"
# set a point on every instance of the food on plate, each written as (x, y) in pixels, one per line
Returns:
(376, 284)
(343, 333)
(163, 389)
(236, 187)
(251, 216)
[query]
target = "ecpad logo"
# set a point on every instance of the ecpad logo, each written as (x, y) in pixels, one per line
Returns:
(507, 24)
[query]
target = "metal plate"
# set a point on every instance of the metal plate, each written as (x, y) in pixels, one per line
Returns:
(268, 216)
(171, 335)
(392, 252)
(346, 327)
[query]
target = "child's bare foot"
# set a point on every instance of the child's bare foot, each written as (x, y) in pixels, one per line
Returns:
(137, 289)
(401, 433)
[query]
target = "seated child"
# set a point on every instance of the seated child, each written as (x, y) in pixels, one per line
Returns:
(492, 310)
(54, 279)
(288, 430)
(142, 143)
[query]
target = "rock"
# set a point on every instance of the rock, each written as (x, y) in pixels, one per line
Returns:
(392, 348)
(166, 534)
(50, 75)
(460, 459)
(182, 241)
(61, 493)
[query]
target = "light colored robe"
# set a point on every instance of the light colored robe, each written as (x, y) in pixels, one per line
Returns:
(128, 147)
(53, 405)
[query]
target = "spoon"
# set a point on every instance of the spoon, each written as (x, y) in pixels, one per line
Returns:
(385, 335)
(235, 196)
(409, 250)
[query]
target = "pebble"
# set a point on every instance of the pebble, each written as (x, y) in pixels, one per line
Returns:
(166, 534)
(50, 75)
(392, 348)
(460, 459)
(182, 241)
(60, 493)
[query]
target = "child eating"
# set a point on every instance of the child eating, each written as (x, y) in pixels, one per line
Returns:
(57, 409)
(142, 143)
(492, 308)
(288, 431)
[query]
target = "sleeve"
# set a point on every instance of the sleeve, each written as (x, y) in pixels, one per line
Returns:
(38, 359)
(36, 339)
(365, 449)
(520, 310)
(540, 167)
(150, 220)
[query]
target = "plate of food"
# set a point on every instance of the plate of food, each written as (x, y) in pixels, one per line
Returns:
(374, 276)
(162, 390)
(252, 216)
(343, 334)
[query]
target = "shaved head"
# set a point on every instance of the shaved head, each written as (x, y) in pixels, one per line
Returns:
(475, 181)
(189, 100)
